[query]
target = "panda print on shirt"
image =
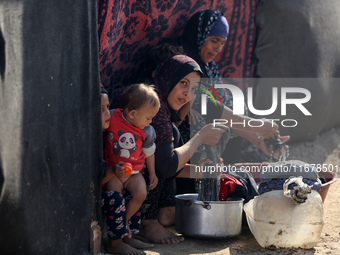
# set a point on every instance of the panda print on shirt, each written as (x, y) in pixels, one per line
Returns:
(126, 144)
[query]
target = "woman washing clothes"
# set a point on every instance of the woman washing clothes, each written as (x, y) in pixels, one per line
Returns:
(176, 84)
(204, 36)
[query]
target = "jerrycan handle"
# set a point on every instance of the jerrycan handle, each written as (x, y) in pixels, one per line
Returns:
(299, 193)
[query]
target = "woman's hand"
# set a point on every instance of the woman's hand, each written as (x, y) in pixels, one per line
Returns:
(262, 145)
(153, 181)
(210, 135)
(269, 150)
(269, 129)
(283, 139)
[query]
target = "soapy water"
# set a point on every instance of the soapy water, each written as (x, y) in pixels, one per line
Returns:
(283, 153)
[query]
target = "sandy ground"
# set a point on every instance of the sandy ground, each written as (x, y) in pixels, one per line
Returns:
(325, 149)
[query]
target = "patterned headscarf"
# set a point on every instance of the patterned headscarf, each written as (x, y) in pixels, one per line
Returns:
(196, 30)
(167, 75)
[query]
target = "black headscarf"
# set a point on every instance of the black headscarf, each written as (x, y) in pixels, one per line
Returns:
(167, 75)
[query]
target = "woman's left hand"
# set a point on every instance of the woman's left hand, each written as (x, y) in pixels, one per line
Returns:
(269, 150)
(268, 129)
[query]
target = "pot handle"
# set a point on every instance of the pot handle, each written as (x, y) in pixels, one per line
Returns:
(204, 204)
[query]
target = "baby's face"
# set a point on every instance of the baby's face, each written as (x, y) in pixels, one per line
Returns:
(105, 111)
(143, 117)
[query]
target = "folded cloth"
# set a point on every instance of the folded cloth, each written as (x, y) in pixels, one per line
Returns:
(230, 187)
(277, 184)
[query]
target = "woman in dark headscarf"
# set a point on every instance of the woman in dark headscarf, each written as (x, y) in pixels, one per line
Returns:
(176, 82)
(205, 27)
(203, 38)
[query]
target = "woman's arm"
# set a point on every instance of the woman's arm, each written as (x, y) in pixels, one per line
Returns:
(170, 160)
(259, 141)
(185, 173)
(207, 135)
(239, 124)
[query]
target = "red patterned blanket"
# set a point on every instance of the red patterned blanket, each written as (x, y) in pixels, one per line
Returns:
(129, 29)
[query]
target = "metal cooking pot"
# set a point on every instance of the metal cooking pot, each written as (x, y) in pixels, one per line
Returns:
(208, 219)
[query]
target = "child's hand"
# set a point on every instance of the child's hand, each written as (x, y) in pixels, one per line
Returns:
(119, 170)
(153, 181)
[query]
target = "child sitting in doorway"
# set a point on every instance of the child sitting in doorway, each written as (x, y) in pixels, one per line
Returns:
(130, 138)
(119, 220)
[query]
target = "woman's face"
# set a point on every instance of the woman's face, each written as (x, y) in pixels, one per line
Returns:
(183, 91)
(211, 47)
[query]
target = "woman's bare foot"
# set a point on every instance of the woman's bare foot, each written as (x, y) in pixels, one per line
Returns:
(135, 243)
(119, 247)
(156, 233)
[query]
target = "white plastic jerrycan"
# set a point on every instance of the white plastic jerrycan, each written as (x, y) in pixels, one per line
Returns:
(277, 220)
